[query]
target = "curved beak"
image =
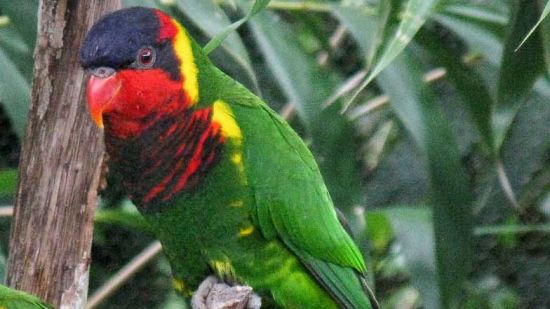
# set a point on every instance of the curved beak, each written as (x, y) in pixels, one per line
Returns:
(103, 87)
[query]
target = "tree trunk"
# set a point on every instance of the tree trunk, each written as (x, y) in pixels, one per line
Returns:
(59, 171)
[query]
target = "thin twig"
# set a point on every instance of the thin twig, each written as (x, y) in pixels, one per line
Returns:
(334, 41)
(505, 185)
(124, 274)
(434, 75)
(288, 111)
(381, 100)
(347, 86)
(371, 105)
(6, 211)
(337, 37)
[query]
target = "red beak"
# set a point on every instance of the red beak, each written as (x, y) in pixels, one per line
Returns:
(102, 92)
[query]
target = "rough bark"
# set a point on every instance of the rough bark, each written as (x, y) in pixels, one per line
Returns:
(60, 164)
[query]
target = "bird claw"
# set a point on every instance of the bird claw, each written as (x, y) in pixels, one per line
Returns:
(214, 294)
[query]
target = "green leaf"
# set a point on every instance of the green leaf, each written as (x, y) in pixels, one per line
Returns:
(220, 37)
(379, 230)
(490, 293)
(23, 14)
(145, 3)
(122, 218)
(416, 107)
(470, 86)
(475, 11)
(519, 70)
(545, 13)
(17, 39)
(2, 266)
(406, 18)
(14, 94)
(8, 182)
(362, 23)
(480, 36)
(125, 214)
(14, 46)
(511, 229)
(213, 21)
(413, 229)
(401, 176)
(545, 32)
(525, 152)
(304, 83)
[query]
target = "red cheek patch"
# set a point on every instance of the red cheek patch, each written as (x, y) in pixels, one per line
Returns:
(143, 91)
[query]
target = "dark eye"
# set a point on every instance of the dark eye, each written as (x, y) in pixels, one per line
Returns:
(146, 57)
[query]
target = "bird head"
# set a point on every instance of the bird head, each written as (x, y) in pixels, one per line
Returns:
(138, 59)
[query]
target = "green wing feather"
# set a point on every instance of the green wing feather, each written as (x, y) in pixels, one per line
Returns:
(290, 187)
(292, 199)
(293, 204)
(13, 299)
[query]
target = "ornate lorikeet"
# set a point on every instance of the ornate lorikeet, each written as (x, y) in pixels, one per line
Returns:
(228, 187)
(13, 299)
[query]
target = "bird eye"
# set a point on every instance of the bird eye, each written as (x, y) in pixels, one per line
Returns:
(146, 57)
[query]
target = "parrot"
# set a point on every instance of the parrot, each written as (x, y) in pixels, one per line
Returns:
(13, 299)
(225, 184)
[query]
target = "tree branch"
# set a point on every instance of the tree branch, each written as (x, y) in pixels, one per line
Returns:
(59, 171)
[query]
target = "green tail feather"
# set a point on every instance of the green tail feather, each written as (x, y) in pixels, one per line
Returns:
(347, 287)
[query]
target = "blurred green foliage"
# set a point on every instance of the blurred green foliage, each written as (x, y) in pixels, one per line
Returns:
(428, 119)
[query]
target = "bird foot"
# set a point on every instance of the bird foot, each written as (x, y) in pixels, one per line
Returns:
(215, 294)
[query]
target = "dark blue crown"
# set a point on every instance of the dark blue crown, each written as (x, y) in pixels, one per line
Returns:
(115, 39)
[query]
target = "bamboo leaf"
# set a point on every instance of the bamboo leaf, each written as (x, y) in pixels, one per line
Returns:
(15, 48)
(8, 182)
(480, 35)
(298, 75)
(524, 154)
(406, 18)
(545, 13)
(14, 93)
(413, 229)
(416, 107)
(470, 86)
(2, 266)
(519, 70)
(17, 39)
(545, 33)
(220, 37)
(471, 11)
(511, 229)
(363, 25)
(122, 217)
(23, 14)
